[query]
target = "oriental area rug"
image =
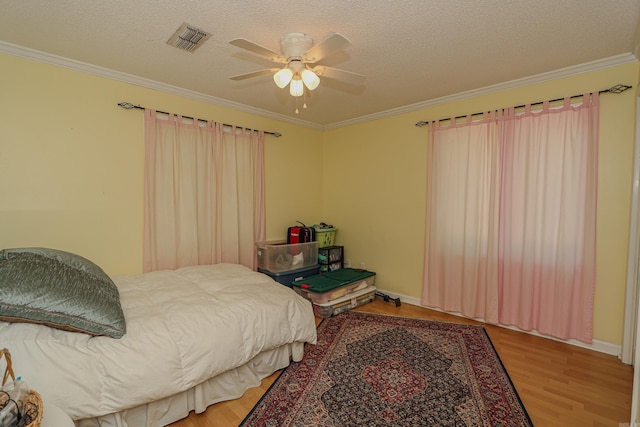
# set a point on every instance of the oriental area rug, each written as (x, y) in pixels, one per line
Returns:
(378, 370)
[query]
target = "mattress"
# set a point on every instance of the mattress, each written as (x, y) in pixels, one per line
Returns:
(184, 327)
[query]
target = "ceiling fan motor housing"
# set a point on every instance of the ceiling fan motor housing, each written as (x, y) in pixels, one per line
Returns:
(294, 45)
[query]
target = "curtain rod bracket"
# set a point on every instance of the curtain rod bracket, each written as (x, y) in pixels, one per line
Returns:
(619, 88)
(130, 106)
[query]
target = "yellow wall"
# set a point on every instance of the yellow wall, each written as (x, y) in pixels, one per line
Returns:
(375, 182)
(71, 162)
(71, 165)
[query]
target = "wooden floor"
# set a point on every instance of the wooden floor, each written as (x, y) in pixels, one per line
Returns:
(560, 384)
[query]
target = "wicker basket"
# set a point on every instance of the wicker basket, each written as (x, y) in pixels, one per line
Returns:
(31, 407)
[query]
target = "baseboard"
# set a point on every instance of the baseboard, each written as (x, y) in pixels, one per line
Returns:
(596, 345)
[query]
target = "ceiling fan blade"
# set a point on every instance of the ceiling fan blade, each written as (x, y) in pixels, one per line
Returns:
(332, 43)
(338, 74)
(255, 74)
(257, 49)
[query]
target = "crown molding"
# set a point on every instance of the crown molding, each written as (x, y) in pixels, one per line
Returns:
(60, 61)
(612, 61)
(84, 67)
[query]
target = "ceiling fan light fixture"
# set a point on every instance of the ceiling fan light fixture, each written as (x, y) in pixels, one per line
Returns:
(310, 79)
(283, 77)
(296, 87)
(299, 62)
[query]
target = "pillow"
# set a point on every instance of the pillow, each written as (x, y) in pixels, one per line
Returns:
(59, 289)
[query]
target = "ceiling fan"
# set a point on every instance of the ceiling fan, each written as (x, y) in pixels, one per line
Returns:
(301, 57)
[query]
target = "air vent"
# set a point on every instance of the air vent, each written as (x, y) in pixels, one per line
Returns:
(188, 38)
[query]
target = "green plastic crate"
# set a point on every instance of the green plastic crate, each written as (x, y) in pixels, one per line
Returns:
(325, 236)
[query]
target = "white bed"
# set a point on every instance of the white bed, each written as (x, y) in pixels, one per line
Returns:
(194, 336)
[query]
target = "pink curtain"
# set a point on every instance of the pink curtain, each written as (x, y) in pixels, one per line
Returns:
(510, 232)
(461, 267)
(203, 193)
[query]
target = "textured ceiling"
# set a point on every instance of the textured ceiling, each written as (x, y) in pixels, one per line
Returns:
(411, 51)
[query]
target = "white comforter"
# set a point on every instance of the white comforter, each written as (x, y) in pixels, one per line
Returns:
(183, 327)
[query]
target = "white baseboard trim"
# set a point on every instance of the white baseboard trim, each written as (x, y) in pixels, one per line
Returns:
(596, 345)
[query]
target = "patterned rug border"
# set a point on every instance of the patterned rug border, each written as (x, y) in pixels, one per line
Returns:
(323, 322)
(504, 368)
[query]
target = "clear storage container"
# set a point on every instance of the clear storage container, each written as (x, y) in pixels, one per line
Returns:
(329, 286)
(279, 257)
(348, 302)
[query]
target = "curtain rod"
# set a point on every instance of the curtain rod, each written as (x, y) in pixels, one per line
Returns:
(129, 106)
(619, 88)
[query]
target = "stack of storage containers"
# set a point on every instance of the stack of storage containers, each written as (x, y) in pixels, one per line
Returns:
(285, 263)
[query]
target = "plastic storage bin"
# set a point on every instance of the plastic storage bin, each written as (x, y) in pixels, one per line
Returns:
(288, 277)
(326, 236)
(279, 257)
(345, 303)
(326, 287)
